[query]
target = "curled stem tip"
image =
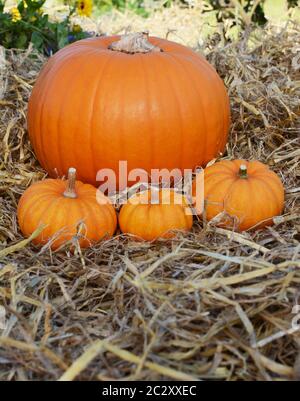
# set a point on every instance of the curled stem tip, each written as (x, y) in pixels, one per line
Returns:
(70, 188)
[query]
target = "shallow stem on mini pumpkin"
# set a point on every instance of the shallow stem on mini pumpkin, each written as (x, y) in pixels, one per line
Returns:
(133, 43)
(70, 189)
(243, 173)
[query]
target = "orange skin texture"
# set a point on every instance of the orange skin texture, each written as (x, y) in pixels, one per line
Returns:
(92, 107)
(152, 221)
(252, 201)
(44, 203)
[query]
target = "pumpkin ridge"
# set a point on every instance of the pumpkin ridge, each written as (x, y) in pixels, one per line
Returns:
(77, 133)
(136, 219)
(70, 89)
(235, 193)
(124, 215)
(55, 70)
(40, 118)
(122, 138)
(181, 213)
(148, 94)
(205, 65)
(215, 184)
(111, 214)
(255, 167)
(253, 193)
(225, 130)
(30, 203)
(231, 190)
(91, 122)
(105, 213)
(166, 83)
(218, 169)
(59, 222)
(156, 224)
(87, 211)
(46, 210)
(72, 224)
(273, 193)
(203, 126)
(36, 91)
(227, 165)
(179, 108)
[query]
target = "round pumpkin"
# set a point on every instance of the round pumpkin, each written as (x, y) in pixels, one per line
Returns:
(248, 194)
(148, 101)
(154, 214)
(66, 209)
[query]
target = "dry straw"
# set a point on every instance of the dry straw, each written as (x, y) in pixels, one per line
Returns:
(210, 304)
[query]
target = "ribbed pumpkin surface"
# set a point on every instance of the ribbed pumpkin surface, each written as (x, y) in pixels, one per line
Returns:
(44, 203)
(149, 221)
(92, 107)
(251, 201)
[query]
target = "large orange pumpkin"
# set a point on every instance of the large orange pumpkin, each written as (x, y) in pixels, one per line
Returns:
(66, 209)
(148, 101)
(248, 194)
(154, 214)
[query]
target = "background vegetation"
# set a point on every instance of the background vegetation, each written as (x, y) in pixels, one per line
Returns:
(27, 21)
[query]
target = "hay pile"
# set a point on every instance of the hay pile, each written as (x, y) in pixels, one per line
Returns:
(210, 304)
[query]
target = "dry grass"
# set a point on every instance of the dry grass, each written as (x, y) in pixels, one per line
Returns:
(210, 304)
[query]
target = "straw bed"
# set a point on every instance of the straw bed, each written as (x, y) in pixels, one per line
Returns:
(211, 304)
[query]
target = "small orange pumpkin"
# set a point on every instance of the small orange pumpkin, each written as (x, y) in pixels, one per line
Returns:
(248, 193)
(150, 219)
(66, 209)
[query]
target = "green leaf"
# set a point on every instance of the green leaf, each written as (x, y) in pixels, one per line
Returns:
(21, 41)
(37, 40)
(62, 35)
(21, 7)
(210, 23)
(233, 32)
(35, 4)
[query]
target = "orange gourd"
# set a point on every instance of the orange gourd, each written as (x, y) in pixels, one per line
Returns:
(154, 214)
(66, 209)
(144, 100)
(248, 194)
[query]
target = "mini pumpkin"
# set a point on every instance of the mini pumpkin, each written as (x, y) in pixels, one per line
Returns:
(154, 214)
(66, 208)
(111, 98)
(248, 194)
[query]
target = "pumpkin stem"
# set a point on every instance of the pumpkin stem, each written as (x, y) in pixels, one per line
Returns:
(70, 189)
(243, 171)
(134, 43)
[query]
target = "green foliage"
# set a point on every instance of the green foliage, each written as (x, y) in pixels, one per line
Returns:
(27, 23)
(256, 11)
(136, 6)
(235, 15)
